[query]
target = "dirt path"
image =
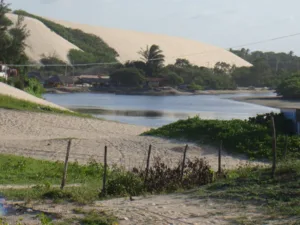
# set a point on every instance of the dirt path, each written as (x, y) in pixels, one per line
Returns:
(179, 209)
(175, 209)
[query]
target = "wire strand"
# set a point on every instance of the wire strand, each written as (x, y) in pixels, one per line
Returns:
(178, 56)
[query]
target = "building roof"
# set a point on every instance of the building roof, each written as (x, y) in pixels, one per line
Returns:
(61, 79)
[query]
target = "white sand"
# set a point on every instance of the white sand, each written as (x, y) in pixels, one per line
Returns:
(44, 136)
(19, 94)
(126, 43)
(44, 41)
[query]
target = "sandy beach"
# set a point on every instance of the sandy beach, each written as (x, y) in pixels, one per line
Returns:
(273, 102)
(45, 136)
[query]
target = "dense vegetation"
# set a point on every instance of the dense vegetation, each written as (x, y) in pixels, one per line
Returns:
(94, 49)
(268, 68)
(252, 137)
(290, 86)
(128, 77)
(30, 85)
(12, 40)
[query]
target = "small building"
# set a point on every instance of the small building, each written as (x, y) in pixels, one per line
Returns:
(93, 80)
(294, 115)
(3, 71)
(59, 81)
(156, 81)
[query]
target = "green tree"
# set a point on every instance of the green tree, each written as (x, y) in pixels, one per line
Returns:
(290, 87)
(128, 77)
(12, 40)
(174, 79)
(52, 59)
(182, 63)
(4, 24)
(154, 59)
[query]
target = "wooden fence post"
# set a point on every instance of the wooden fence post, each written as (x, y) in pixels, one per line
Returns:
(285, 146)
(104, 172)
(148, 164)
(273, 147)
(183, 162)
(63, 182)
(220, 158)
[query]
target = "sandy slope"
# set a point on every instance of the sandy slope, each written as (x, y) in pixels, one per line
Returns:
(126, 43)
(16, 93)
(44, 136)
(43, 41)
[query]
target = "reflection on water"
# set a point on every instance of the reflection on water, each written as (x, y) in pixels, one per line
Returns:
(156, 111)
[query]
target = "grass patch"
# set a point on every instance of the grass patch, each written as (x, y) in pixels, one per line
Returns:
(8, 102)
(21, 170)
(280, 196)
(87, 193)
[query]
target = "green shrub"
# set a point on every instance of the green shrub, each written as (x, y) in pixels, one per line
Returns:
(98, 218)
(290, 86)
(162, 178)
(124, 183)
(195, 87)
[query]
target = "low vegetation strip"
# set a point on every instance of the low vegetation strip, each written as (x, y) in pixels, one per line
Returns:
(8, 102)
(254, 185)
(252, 137)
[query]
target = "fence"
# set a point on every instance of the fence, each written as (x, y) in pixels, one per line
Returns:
(146, 165)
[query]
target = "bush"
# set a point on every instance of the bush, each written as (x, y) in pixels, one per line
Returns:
(290, 87)
(195, 87)
(162, 178)
(124, 183)
(128, 77)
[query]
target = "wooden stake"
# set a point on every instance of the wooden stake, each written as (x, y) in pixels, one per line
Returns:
(273, 147)
(148, 164)
(220, 158)
(63, 182)
(183, 162)
(104, 172)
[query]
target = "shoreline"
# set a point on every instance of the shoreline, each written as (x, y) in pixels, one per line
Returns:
(158, 92)
(272, 102)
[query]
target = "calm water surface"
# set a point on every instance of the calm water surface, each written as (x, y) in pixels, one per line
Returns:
(169, 108)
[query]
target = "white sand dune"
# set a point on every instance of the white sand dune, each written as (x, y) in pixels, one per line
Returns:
(43, 41)
(127, 43)
(19, 94)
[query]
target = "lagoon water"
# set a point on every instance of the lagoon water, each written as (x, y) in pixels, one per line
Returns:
(135, 109)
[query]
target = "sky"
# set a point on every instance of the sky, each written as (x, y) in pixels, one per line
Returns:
(224, 23)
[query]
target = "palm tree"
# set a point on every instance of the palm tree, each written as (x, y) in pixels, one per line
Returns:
(154, 59)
